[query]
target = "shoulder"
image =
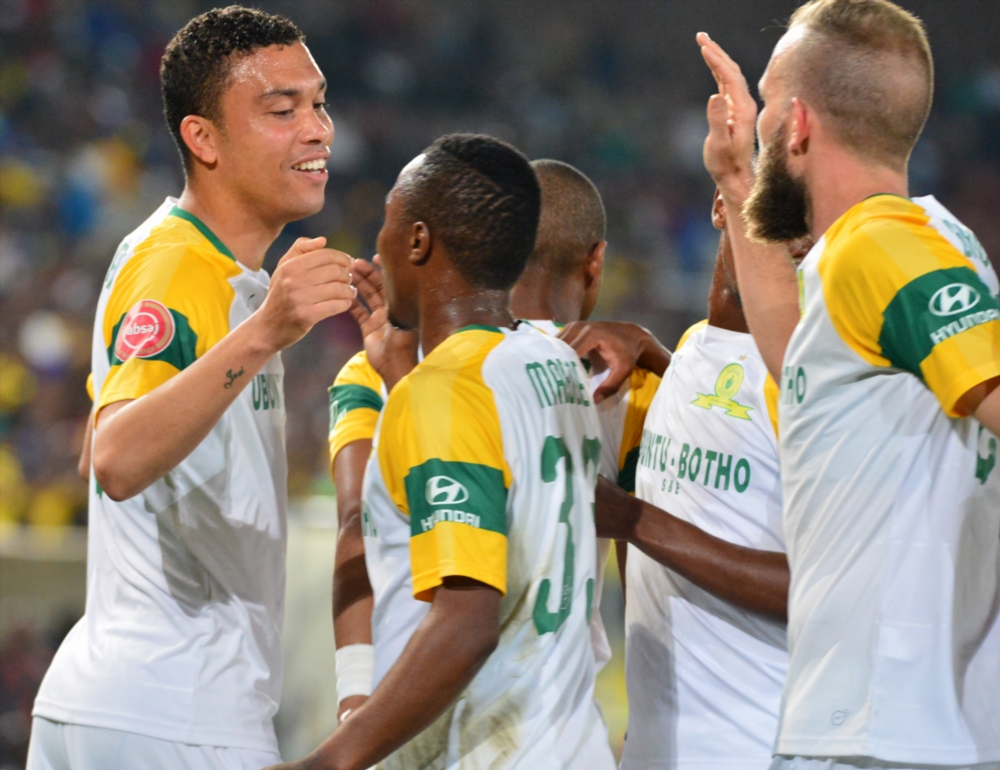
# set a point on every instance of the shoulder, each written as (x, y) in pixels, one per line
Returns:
(882, 244)
(173, 260)
(692, 330)
(359, 371)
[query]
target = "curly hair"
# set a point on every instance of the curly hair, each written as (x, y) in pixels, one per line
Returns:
(481, 198)
(196, 65)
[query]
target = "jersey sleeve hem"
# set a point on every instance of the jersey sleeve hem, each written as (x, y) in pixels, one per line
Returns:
(425, 583)
(356, 425)
(134, 379)
(964, 383)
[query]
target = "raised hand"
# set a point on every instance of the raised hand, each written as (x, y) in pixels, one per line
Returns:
(618, 346)
(391, 351)
(309, 284)
(732, 118)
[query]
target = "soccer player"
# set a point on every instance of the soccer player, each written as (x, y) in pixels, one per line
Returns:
(708, 582)
(177, 661)
(485, 459)
(889, 403)
(559, 285)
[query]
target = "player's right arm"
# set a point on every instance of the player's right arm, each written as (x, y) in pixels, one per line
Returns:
(764, 272)
(752, 579)
(141, 432)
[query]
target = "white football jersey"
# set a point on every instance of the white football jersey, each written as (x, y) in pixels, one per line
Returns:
(704, 677)
(622, 416)
(181, 638)
(356, 400)
(892, 498)
(486, 457)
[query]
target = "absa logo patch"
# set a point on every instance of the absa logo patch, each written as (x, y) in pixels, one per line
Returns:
(147, 329)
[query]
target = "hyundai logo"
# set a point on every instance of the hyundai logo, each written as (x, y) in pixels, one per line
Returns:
(443, 490)
(953, 298)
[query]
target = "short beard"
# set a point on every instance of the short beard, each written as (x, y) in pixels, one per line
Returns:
(778, 208)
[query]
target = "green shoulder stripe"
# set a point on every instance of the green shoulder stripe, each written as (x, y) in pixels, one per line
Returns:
(180, 353)
(220, 247)
(465, 493)
(929, 310)
(347, 398)
(626, 476)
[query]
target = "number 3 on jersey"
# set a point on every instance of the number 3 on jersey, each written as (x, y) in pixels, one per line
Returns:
(553, 451)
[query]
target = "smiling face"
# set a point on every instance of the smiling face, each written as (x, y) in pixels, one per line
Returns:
(274, 133)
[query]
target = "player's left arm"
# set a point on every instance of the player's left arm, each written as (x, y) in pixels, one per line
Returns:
(446, 651)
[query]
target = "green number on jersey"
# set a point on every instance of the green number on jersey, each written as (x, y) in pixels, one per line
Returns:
(553, 451)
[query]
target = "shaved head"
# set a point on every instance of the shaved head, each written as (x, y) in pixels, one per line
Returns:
(866, 66)
(572, 220)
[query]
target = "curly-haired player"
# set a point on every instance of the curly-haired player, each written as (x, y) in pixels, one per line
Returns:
(177, 660)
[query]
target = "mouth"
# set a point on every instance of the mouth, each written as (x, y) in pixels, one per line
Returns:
(315, 168)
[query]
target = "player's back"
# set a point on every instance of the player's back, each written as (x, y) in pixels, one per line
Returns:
(490, 447)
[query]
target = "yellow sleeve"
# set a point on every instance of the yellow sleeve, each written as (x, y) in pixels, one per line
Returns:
(771, 394)
(90, 385)
(691, 330)
(355, 403)
(902, 296)
(169, 305)
(441, 455)
(642, 387)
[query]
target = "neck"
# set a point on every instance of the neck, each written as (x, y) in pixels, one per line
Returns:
(536, 297)
(443, 311)
(243, 233)
(724, 308)
(845, 181)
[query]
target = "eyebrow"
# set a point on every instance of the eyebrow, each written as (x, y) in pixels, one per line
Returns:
(291, 92)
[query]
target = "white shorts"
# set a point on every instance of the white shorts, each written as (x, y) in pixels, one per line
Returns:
(864, 763)
(59, 746)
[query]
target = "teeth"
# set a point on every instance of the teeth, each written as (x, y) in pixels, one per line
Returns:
(312, 165)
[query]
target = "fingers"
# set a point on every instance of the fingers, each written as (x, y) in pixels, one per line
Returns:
(360, 313)
(618, 371)
(303, 246)
(370, 290)
(319, 257)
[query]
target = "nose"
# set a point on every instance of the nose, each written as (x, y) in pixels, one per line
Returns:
(318, 129)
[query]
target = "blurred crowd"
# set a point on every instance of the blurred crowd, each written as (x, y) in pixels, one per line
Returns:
(616, 89)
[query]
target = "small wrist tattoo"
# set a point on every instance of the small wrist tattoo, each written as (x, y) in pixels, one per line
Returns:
(232, 376)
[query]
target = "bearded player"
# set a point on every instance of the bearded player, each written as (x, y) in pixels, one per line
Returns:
(485, 459)
(888, 354)
(560, 285)
(176, 662)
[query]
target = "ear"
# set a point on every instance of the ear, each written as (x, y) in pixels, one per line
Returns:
(718, 211)
(420, 243)
(201, 137)
(800, 127)
(593, 268)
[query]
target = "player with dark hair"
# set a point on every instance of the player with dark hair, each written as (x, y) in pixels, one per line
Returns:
(886, 345)
(176, 662)
(485, 461)
(559, 285)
